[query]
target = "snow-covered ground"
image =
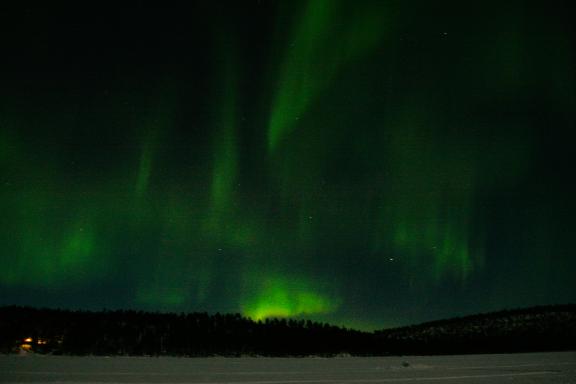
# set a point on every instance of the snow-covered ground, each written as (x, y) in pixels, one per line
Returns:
(514, 368)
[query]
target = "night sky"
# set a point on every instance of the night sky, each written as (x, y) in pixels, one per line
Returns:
(364, 163)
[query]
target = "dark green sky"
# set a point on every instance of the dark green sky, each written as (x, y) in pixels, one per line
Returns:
(365, 163)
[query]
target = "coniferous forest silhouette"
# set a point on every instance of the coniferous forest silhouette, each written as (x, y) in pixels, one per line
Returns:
(138, 333)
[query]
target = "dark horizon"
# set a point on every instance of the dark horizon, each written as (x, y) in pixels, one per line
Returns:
(128, 333)
(458, 317)
(368, 164)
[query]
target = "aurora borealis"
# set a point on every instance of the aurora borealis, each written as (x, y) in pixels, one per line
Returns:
(365, 163)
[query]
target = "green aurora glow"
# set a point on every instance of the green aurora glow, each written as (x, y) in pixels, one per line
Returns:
(364, 163)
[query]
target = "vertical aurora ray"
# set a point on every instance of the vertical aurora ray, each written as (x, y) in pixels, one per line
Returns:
(152, 127)
(426, 219)
(226, 223)
(204, 234)
(232, 229)
(327, 36)
(225, 152)
(303, 136)
(159, 225)
(145, 165)
(220, 215)
(319, 48)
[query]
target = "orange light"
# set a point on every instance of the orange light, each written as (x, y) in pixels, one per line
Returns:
(26, 347)
(28, 340)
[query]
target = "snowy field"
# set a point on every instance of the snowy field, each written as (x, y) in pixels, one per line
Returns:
(514, 368)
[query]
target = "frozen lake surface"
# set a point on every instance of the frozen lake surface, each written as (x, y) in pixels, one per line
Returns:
(513, 368)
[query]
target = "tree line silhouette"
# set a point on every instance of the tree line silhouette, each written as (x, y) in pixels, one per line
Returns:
(137, 333)
(542, 328)
(126, 332)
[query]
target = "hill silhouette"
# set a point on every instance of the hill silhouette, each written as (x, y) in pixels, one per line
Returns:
(542, 328)
(137, 333)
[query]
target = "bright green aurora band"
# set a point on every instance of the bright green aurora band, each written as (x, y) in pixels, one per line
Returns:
(366, 163)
